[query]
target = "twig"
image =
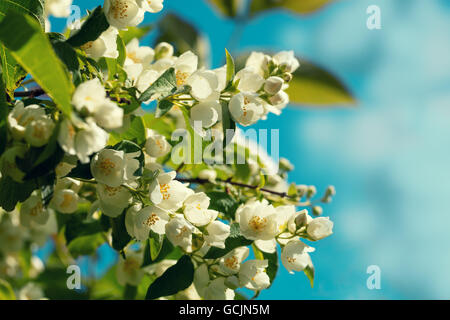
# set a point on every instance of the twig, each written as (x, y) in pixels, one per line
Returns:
(31, 93)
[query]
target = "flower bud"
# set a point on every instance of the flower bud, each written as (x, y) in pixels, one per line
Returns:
(320, 228)
(208, 174)
(301, 219)
(301, 190)
(273, 85)
(287, 77)
(280, 100)
(286, 165)
(311, 192)
(163, 50)
(317, 210)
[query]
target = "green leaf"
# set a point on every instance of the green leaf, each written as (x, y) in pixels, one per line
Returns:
(168, 251)
(78, 226)
(184, 37)
(6, 292)
(176, 278)
(231, 68)
(120, 236)
(33, 8)
(135, 132)
(81, 171)
(228, 8)
(156, 242)
(228, 124)
(223, 202)
(30, 47)
(134, 32)
(4, 110)
(164, 85)
(12, 192)
(113, 64)
(130, 292)
(309, 272)
(234, 240)
(296, 6)
(313, 85)
(85, 245)
(94, 26)
(13, 73)
(67, 54)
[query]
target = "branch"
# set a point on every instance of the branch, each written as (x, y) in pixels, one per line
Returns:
(31, 93)
(243, 185)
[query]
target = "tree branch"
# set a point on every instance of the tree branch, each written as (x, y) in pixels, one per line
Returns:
(243, 185)
(31, 93)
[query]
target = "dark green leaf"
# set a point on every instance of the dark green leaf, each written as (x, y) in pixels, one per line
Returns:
(223, 202)
(176, 278)
(129, 292)
(78, 226)
(4, 110)
(156, 242)
(94, 26)
(135, 132)
(33, 8)
(309, 272)
(164, 85)
(168, 251)
(228, 124)
(234, 240)
(120, 236)
(12, 192)
(67, 55)
(30, 47)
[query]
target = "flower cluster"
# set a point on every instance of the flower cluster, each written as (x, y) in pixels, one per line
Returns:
(103, 170)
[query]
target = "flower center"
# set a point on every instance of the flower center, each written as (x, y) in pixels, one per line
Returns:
(119, 9)
(291, 260)
(87, 45)
(152, 219)
(164, 188)
(67, 200)
(106, 166)
(231, 262)
(36, 210)
(257, 223)
(181, 77)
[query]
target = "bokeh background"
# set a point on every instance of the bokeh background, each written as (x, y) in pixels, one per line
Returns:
(388, 157)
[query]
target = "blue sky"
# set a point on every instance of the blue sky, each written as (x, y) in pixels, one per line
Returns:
(388, 157)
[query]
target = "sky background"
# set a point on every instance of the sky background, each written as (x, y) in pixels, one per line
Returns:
(388, 157)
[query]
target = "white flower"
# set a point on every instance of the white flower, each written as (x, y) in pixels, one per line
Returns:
(150, 218)
(273, 85)
(253, 276)
(130, 219)
(152, 6)
(231, 262)
(246, 109)
(218, 232)
(295, 256)
(113, 168)
(65, 201)
(129, 270)
(259, 62)
(156, 145)
(163, 50)
(217, 290)
(287, 61)
(103, 46)
(134, 72)
(138, 55)
(8, 164)
(269, 246)
(109, 115)
(179, 232)
(58, 8)
(89, 138)
(185, 66)
(319, 228)
(249, 80)
(113, 200)
(280, 100)
(123, 13)
(208, 174)
(196, 210)
(221, 74)
(167, 193)
(257, 220)
(298, 220)
(207, 112)
(32, 212)
(146, 79)
(31, 291)
(89, 95)
(12, 234)
(64, 167)
(204, 84)
(39, 131)
(21, 116)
